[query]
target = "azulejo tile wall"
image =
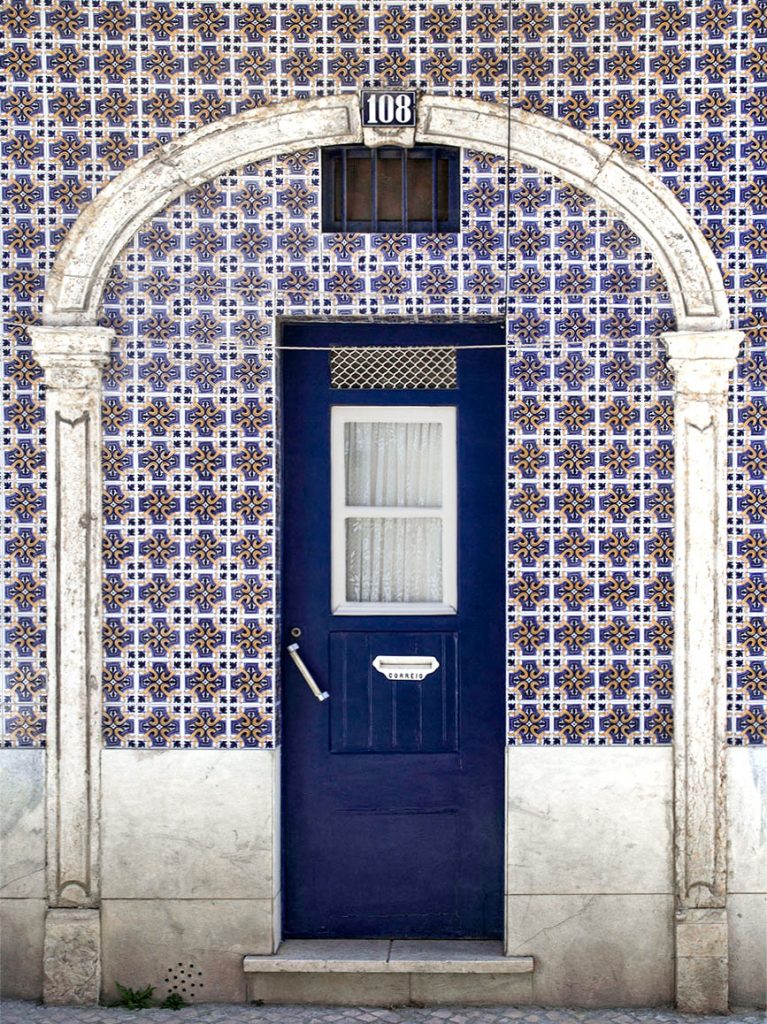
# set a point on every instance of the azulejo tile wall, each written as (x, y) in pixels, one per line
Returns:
(190, 461)
(94, 84)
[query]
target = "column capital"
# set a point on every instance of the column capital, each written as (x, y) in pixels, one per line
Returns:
(702, 361)
(72, 357)
(703, 344)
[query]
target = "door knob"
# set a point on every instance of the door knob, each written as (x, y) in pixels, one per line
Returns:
(299, 661)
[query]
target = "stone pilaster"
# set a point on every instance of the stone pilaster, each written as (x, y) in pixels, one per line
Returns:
(73, 358)
(701, 363)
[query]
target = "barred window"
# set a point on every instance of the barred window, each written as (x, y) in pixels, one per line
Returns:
(390, 189)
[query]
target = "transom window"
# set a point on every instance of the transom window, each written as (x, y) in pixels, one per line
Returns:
(390, 189)
(394, 529)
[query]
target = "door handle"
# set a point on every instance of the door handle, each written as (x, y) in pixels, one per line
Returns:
(299, 661)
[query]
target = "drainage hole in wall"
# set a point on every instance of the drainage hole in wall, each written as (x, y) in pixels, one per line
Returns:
(179, 980)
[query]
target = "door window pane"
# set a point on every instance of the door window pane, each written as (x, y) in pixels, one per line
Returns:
(394, 507)
(393, 560)
(397, 464)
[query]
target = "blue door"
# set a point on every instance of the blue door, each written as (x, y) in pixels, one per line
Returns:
(393, 585)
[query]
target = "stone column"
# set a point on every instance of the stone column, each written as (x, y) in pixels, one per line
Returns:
(72, 358)
(701, 364)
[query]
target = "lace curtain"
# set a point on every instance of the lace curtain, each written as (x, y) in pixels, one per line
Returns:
(393, 465)
(394, 560)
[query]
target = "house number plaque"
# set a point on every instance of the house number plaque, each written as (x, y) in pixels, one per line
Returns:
(381, 109)
(405, 666)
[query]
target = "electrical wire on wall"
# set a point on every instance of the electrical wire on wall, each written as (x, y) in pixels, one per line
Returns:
(507, 324)
(507, 174)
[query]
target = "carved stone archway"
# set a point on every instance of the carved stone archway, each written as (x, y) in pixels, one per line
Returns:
(72, 349)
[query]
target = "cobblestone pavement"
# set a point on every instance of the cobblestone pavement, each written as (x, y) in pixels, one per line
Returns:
(13, 1012)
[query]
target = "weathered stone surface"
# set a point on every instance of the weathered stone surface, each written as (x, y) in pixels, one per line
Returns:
(531, 138)
(453, 956)
(142, 939)
(589, 820)
(21, 948)
(747, 913)
(205, 818)
(702, 933)
(471, 990)
(689, 267)
(72, 958)
(392, 989)
(22, 823)
(701, 366)
(72, 359)
(595, 950)
(374, 136)
(149, 184)
(747, 820)
(388, 956)
(332, 989)
(702, 362)
(701, 984)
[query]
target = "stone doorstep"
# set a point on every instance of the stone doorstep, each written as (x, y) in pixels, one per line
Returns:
(388, 956)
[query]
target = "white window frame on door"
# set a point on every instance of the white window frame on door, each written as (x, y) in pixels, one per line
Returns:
(445, 415)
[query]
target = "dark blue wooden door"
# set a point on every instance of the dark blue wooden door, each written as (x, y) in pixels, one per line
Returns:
(393, 788)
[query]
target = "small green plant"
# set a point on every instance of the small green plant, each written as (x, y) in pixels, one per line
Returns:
(134, 998)
(173, 1002)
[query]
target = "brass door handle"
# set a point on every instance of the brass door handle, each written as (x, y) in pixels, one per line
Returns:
(299, 661)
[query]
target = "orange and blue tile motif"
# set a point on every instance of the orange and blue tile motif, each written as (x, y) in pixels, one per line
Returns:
(189, 406)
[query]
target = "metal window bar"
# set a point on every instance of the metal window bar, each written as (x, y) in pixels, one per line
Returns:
(336, 169)
(374, 189)
(434, 209)
(403, 164)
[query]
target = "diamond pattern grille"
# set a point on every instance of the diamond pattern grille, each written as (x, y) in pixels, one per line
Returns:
(386, 367)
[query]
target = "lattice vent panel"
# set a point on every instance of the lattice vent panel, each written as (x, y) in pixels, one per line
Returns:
(390, 367)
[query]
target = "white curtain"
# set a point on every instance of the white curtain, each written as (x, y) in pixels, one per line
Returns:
(394, 560)
(394, 464)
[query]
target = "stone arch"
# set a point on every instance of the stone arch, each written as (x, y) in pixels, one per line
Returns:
(72, 349)
(622, 185)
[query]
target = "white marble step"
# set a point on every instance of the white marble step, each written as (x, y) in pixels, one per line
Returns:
(388, 956)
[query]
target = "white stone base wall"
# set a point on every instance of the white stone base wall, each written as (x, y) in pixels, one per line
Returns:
(22, 924)
(191, 871)
(590, 886)
(197, 943)
(747, 875)
(191, 867)
(22, 872)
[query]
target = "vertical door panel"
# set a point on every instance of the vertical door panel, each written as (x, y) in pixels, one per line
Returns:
(393, 788)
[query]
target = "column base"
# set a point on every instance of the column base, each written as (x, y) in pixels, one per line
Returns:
(72, 958)
(702, 967)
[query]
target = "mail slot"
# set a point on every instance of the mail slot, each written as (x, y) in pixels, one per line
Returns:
(394, 692)
(405, 666)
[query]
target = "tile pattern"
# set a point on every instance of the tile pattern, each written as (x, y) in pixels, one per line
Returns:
(679, 84)
(189, 446)
(189, 497)
(590, 491)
